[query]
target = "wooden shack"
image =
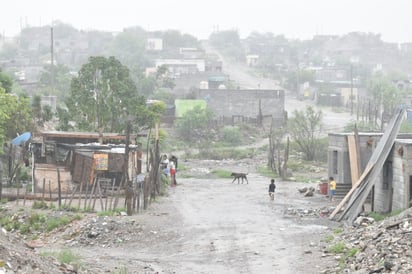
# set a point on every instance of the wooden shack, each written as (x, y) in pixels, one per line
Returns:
(80, 157)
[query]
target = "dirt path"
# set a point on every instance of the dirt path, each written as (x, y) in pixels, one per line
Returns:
(214, 226)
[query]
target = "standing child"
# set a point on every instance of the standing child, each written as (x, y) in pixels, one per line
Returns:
(332, 188)
(272, 188)
(172, 173)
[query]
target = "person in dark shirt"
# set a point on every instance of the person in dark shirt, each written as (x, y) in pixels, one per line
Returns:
(272, 188)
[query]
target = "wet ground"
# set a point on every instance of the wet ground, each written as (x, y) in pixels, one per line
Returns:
(215, 226)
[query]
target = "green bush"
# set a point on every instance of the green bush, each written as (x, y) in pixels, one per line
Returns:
(231, 135)
(39, 205)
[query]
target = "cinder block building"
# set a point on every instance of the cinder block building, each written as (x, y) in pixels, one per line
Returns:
(393, 188)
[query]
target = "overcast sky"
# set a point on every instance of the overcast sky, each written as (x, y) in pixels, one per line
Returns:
(293, 18)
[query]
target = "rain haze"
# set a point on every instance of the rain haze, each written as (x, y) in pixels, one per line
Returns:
(293, 18)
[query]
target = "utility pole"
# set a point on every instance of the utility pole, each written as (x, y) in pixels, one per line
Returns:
(351, 89)
(126, 151)
(52, 59)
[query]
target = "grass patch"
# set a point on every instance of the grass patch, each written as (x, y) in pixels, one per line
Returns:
(266, 171)
(329, 238)
(303, 179)
(376, 216)
(70, 208)
(39, 205)
(379, 216)
(352, 252)
(67, 256)
(34, 222)
(338, 230)
(121, 270)
(220, 173)
(54, 223)
(396, 212)
(226, 153)
(337, 248)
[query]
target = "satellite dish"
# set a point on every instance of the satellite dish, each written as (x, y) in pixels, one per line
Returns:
(21, 139)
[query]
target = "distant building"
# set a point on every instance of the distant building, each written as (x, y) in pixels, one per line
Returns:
(252, 59)
(154, 44)
(182, 66)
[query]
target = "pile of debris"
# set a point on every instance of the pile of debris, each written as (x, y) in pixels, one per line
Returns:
(16, 257)
(101, 231)
(383, 247)
(308, 212)
(307, 191)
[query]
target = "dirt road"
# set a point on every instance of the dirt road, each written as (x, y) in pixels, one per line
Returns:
(247, 78)
(214, 226)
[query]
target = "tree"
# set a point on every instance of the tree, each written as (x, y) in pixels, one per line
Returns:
(60, 85)
(129, 48)
(6, 82)
(174, 39)
(194, 126)
(15, 118)
(12, 109)
(278, 154)
(40, 113)
(162, 78)
(104, 98)
(228, 42)
(385, 96)
(305, 127)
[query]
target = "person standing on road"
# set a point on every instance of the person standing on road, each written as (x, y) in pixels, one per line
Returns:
(332, 188)
(172, 173)
(165, 164)
(272, 188)
(173, 159)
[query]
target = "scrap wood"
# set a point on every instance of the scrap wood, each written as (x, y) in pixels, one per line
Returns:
(354, 156)
(348, 196)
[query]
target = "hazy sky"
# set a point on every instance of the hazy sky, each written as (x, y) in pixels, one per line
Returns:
(293, 18)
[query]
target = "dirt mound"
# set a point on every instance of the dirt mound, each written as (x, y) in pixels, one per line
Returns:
(18, 256)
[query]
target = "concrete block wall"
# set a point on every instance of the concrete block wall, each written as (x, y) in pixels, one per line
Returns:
(228, 102)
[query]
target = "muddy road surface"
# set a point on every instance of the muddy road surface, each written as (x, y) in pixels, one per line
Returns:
(214, 226)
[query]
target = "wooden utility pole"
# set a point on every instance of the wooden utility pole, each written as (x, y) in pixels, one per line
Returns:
(52, 59)
(351, 89)
(126, 152)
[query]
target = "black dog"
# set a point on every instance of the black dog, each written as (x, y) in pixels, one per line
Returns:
(239, 176)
